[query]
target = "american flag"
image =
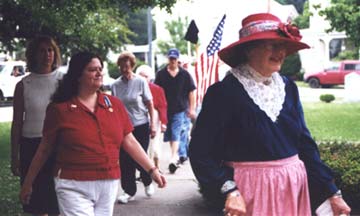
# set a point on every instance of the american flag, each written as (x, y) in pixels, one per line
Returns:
(207, 65)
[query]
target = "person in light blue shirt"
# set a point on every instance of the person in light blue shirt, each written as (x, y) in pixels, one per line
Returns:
(133, 90)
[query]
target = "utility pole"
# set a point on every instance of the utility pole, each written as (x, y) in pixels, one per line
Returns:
(149, 31)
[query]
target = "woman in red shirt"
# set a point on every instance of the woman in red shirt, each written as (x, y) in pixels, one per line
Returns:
(86, 129)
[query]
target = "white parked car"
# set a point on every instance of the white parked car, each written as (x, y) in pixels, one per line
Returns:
(11, 72)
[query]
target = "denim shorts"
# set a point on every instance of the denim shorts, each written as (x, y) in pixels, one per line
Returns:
(174, 127)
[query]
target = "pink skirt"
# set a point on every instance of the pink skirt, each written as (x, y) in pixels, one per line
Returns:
(276, 187)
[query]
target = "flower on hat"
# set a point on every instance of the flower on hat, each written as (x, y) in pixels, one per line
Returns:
(290, 30)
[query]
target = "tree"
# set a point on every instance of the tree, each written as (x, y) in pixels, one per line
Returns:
(299, 4)
(303, 20)
(96, 25)
(291, 67)
(137, 23)
(177, 29)
(344, 15)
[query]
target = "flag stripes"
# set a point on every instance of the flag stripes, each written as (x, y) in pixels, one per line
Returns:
(207, 64)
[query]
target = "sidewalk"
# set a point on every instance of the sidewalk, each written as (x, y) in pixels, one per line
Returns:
(179, 198)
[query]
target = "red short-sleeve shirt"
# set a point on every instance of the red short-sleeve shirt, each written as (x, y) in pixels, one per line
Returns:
(87, 143)
(159, 101)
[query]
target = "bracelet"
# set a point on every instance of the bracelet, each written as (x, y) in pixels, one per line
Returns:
(151, 170)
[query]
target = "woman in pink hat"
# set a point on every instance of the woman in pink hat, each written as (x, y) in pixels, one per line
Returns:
(250, 141)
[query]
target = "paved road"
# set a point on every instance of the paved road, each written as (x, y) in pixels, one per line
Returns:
(6, 114)
(313, 95)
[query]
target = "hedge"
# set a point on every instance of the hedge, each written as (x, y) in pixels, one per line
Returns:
(344, 159)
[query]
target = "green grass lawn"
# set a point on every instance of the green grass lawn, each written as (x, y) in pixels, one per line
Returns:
(325, 121)
(333, 121)
(9, 185)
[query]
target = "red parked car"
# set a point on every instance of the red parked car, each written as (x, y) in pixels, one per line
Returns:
(334, 75)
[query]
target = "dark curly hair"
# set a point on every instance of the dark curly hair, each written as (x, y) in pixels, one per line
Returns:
(69, 86)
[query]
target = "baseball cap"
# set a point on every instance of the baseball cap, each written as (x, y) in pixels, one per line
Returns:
(173, 53)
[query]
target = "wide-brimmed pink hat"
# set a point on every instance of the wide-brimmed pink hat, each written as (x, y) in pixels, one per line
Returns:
(262, 26)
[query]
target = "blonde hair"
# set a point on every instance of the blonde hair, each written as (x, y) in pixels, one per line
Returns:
(127, 55)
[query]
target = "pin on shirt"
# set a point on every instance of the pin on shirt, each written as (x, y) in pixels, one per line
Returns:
(108, 103)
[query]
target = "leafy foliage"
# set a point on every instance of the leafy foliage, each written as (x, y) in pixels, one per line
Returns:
(177, 30)
(327, 98)
(344, 15)
(297, 3)
(303, 20)
(97, 25)
(344, 159)
(291, 67)
(347, 54)
(137, 23)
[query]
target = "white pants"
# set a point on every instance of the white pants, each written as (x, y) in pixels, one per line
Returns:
(86, 198)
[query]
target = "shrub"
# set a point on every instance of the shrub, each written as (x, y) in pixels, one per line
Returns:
(291, 67)
(347, 54)
(327, 98)
(113, 70)
(344, 159)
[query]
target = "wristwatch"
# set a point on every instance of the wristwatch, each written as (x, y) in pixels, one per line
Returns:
(228, 186)
(235, 193)
(338, 194)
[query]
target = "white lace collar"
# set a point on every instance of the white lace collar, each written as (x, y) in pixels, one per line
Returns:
(266, 92)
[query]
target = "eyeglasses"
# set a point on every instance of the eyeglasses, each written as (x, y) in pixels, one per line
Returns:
(274, 46)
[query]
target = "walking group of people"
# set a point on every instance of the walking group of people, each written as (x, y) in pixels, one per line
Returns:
(71, 143)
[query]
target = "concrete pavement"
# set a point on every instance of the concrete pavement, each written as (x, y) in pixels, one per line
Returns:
(179, 198)
(6, 114)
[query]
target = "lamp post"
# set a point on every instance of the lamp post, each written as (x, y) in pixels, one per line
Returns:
(149, 31)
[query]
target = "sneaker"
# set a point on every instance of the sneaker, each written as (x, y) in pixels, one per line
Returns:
(149, 190)
(125, 198)
(172, 168)
(182, 159)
